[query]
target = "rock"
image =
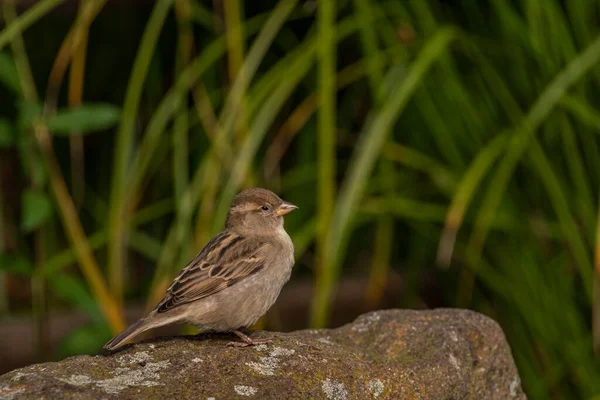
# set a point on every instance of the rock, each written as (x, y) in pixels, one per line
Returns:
(394, 354)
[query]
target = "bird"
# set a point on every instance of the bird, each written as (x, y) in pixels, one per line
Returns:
(234, 279)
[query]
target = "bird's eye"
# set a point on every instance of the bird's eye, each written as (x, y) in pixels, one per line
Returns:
(265, 208)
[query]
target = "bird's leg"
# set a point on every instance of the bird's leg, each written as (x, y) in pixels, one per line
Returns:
(247, 341)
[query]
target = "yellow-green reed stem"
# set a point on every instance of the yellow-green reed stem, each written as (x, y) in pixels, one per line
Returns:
(68, 256)
(584, 200)
(297, 119)
(235, 52)
(64, 202)
(571, 230)
(38, 283)
(268, 24)
(473, 178)
(380, 263)
(326, 142)
(20, 54)
(366, 153)
(383, 247)
(518, 144)
(27, 19)
(404, 208)
(206, 223)
(76, 234)
(265, 117)
(409, 157)
(384, 231)
(232, 12)
(165, 111)
(596, 298)
(76, 37)
(3, 291)
(205, 111)
(76, 79)
(168, 258)
(119, 216)
(181, 123)
(255, 56)
(581, 109)
(39, 296)
(365, 16)
(464, 193)
(442, 137)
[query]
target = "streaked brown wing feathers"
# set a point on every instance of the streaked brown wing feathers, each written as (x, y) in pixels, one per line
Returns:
(225, 260)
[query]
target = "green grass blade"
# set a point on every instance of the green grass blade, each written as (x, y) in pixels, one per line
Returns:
(120, 195)
(596, 289)
(560, 203)
(582, 111)
(519, 141)
(464, 193)
(367, 151)
(247, 71)
(326, 125)
(28, 18)
(259, 128)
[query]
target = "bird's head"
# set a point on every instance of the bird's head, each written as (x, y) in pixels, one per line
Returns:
(258, 211)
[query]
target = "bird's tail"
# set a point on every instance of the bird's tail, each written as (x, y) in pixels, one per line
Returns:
(132, 331)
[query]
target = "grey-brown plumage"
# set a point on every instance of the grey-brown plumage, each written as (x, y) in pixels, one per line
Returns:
(235, 278)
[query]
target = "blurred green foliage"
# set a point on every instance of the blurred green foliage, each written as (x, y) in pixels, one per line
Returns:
(448, 139)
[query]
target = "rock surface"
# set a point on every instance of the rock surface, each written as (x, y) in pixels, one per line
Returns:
(394, 354)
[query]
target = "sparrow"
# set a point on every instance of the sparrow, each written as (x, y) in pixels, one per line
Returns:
(234, 279)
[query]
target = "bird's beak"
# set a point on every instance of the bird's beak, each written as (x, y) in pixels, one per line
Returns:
(285, 208)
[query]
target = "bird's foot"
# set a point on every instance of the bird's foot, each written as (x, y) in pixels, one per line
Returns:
(247, 341)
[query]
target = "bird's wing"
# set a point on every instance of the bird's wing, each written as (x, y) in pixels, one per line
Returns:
(225, 260)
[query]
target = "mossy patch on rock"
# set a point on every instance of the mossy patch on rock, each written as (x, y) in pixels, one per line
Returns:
(392, 354)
